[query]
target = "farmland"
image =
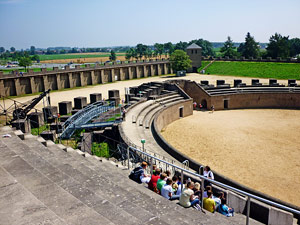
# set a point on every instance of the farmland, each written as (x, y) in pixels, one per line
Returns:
(256, 69)
(76, 56)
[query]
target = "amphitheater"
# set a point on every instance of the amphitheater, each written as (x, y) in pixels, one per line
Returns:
(47, 183)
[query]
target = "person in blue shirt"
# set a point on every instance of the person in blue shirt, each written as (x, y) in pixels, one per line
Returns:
(224, 209)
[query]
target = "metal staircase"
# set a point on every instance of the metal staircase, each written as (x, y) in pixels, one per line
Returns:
(81, 118)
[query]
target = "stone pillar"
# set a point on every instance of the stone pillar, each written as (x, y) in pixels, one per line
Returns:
(94, 80)
(138, 75)
(65, 107)
(112, 72)
(80, 102)
(130, 74)
(18, 87)
(122, 76)
(159, 69)
(2, 90)
(46, 83)
(165, 68)
(36, 119)
(32, 85)
(102, 76)
(145, 71)
(70, 80)
(58, 82)
(151, 71)
(95, 97)
(82, 81)
(22, 125)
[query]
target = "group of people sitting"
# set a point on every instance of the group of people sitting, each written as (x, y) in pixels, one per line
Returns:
(189, 193)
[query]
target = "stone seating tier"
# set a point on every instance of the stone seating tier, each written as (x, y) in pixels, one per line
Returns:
(65, 188)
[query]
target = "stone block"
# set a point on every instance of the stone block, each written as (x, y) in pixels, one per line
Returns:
(80, 102)
(273, 82)
(65, 107)
(64, 118)
(74, 111)
(128, 97)
(22, 125)
(67, 67)
(49, 112)
(36, 119)
(204, 82)
(56, 127)
(292, 83)
(278, 217)
(254, 81)
(49, 135)
(113, 93)
(237, 82)
(86, 144)
(77, 66)
(95, 97)
(220, 82)
(116, 100)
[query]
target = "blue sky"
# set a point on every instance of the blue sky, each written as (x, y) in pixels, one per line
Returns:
(96, 23)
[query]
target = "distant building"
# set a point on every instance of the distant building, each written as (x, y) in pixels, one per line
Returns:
(195, 53)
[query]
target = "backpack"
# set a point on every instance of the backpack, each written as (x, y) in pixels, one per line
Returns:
(136, 173)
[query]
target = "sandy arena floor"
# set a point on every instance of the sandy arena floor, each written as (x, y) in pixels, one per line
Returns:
(258, 148)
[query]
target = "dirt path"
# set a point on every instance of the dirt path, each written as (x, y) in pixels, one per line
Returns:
(258, 148)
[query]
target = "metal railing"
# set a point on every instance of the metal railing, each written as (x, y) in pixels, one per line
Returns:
(249, 196)
(85, 115)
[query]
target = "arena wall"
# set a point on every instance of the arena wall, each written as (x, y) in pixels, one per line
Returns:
(259, 211)
(33, 82)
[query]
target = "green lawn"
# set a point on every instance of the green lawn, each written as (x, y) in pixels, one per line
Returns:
(204, 64)
(256, 69)
(74, 56)
(7, 71)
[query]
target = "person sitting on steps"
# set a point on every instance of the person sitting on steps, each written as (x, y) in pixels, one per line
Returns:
(187, 198)
(139, 175)
(152, 185)
(167, 190)
(208, 203)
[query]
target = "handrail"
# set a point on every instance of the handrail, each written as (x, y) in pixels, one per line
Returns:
(249, 195)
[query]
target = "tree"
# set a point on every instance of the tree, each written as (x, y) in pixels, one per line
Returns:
(279, 46)
(158, 49)
(35, 58)
(112, 56)
(294, 47)
(207, 48)
(2, 49)
(12, 49)
(25, 62)
(168, 48)
(148, 53)
(141, 50)
(228, 49)
(181, 45)
(180, 60)
(249, 48)
(32, 50)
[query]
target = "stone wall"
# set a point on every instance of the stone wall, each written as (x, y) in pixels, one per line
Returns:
(33, 82)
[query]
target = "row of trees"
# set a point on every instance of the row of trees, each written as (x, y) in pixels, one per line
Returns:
(278, 46)
(166, 49)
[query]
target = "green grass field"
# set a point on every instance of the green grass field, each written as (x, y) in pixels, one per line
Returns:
(75, 56)
(204, 64)
(256, 69)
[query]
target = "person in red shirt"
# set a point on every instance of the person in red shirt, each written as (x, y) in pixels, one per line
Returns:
(153, 182)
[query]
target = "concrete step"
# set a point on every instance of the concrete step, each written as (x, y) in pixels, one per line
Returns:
(19, 206)
(73, 182)
(34, 174)
(125, 200)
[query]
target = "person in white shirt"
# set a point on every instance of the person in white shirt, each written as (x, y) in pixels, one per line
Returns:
(167, 190)
(209, 174)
